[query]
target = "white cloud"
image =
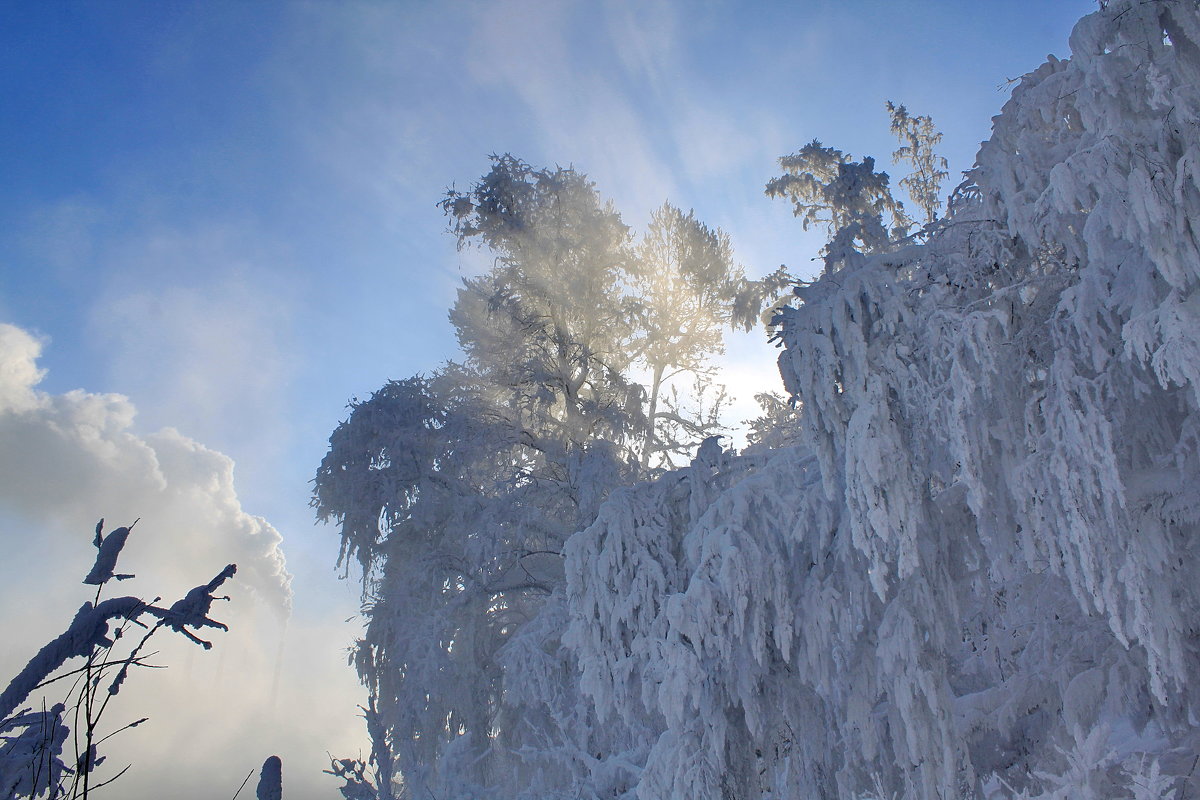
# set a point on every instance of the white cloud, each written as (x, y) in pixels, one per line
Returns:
(73, 457)
(66, 460)
(19, 371)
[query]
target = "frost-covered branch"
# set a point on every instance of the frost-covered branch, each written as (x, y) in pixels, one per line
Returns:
(31, 761)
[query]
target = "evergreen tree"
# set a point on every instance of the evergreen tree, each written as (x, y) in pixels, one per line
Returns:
(918, 139)
(849, 198)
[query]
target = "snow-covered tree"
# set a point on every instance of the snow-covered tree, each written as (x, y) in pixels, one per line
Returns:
(685, 285)
(547, 329)
(457, 522)
(456, 492)
(918, 138)
(849, 198)
(975, 574)
(959, 559)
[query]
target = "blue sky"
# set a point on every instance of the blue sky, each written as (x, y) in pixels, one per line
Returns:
(226, 211)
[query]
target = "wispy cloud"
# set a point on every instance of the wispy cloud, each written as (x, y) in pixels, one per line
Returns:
(210, 358)
(578, 107)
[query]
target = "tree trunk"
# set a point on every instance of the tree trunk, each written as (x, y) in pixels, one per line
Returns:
(650, 439)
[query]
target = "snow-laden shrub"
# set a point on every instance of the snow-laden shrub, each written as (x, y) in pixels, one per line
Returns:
(53, 752)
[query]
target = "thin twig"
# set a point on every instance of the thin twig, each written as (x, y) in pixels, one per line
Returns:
(243, 786)
(133, 724)
(114, 777)
(135, 661)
